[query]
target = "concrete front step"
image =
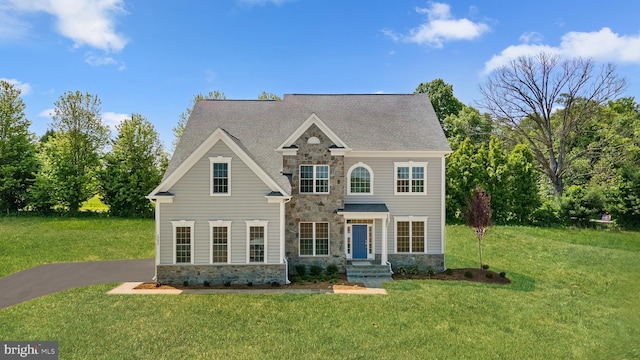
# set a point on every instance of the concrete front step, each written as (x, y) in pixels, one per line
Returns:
(362, 271)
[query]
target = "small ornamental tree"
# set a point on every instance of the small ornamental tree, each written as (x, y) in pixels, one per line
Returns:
(477, 214)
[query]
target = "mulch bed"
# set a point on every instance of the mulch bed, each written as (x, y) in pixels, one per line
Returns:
(477, 275)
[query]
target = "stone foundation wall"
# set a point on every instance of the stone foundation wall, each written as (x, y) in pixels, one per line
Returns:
(422, 261)
(219, 274)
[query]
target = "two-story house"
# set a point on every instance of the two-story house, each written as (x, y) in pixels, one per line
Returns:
(256, 187)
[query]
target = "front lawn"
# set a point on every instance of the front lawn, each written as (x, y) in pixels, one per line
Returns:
(29, 241)
(574, 295)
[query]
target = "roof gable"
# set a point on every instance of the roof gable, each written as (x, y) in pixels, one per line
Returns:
(218, 135)
(312, 120)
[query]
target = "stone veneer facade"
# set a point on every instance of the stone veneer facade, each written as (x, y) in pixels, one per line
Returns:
(422, 261)
(219, 274)
(315, 207)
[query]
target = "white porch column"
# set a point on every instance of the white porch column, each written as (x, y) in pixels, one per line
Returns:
(383, 254)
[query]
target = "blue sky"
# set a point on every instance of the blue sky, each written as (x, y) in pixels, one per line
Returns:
(152, 57)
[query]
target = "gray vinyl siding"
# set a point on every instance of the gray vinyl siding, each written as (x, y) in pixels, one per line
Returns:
(193, 202)
(403, 205)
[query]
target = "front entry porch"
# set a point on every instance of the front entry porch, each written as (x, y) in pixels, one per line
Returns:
(365, 233)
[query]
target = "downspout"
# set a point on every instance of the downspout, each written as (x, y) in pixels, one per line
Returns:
(283, 241)
(387, 234)
(157, 214)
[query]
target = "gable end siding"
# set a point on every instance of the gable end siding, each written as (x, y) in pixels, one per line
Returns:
(193, 202)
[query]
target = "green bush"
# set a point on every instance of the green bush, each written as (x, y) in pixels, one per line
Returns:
(468, 274)
(301, 269)
(489, 275)
(332, 269)
(503, 274)
(485, 266)
(315, 270)
(448, 272)
(430, 271)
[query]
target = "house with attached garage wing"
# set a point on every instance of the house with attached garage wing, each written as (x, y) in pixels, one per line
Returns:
(256, 187)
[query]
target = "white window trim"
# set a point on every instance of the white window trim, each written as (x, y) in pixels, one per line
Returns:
(262, 223)
(220, 160)
(183, 223)
(219, 223)
(410, 165)
(314, 179)
(353, 167)
(410, 219)
(314, 238)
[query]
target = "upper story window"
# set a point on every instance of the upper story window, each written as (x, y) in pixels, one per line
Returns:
(360, 180)
(220, 175)
(410, 178)
(314, 179)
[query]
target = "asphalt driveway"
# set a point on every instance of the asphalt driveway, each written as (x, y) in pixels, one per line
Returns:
(48, 279)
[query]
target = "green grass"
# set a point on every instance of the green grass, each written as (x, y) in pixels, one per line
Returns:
(30, 241)
(94, 204)
(574, 296)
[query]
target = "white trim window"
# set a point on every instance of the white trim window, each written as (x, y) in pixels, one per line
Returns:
(257, 241)
(220, 176)
(314, 179)
(183, 241)
(313, 239)
(219, 235)
(410, 178)
(360, 178)
(411, 234)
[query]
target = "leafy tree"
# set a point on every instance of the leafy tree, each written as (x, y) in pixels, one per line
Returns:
(522, 186)
(547, 102)
(18, 162)
(477, 214)
(268, 96)
(73, 154)
(468, 123)
(442, 98)
(464, 168)
(184, 116)
(132, 169)
(497, 182)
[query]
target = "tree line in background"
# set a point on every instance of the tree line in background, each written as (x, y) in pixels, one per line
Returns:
(555, 145)
(77, 158)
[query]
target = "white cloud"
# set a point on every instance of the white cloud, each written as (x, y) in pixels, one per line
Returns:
(440, 27)
(531, 37)
(112, 119)
(95, 60)
(25, 88)
(602, 45)
(47, 113)
(86, 22)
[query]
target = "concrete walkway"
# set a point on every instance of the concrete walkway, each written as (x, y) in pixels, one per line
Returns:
(48, 279)
(128, 288)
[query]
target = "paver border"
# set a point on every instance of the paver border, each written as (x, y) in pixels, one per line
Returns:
(127, 288)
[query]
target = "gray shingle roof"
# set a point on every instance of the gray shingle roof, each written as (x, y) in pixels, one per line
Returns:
(364, 122)
(377, 208)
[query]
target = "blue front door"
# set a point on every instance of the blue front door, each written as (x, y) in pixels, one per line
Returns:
(359, 241)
